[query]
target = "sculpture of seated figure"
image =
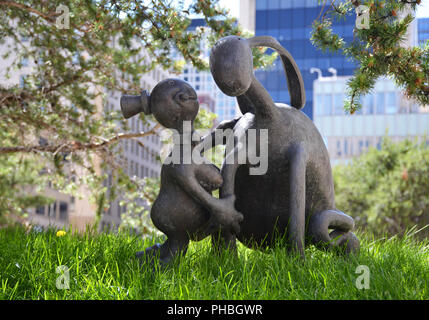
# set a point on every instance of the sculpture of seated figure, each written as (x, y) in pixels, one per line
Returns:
(294, 199)
(185, 208)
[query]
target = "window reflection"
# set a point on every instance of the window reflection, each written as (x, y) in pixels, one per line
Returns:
(380, 103)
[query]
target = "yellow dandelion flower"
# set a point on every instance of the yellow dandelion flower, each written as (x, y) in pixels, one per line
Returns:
(61, 233)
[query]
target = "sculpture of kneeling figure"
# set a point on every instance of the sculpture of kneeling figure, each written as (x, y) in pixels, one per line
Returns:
(295, 197)
(185, 208)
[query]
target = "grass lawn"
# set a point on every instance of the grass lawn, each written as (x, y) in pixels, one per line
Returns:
(102, 266)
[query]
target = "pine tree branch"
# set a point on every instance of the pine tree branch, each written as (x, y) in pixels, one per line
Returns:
(77, 146)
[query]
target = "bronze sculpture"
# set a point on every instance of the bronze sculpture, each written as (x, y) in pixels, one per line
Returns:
(184, 204)
(293, 199)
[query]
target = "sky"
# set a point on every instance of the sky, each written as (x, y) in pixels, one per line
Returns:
(423, 9)
(234, 7)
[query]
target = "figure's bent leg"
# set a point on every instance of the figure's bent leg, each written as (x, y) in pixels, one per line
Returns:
(321, 222)
(166, 252)
(224, 237)
(296, 226)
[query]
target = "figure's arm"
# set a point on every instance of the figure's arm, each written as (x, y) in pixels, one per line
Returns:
(209, 141)
(232, 157)
(223, 210)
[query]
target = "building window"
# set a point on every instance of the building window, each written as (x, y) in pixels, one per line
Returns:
(339, 148)
(391, 106)
(327, 105)
(338, 104)
(360, 146)
(368, 104)
(63, 211)
(379, 143)
(40, 210)
(380, 103)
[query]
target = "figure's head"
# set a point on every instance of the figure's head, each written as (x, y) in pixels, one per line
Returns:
(231, 64)
(173, 101)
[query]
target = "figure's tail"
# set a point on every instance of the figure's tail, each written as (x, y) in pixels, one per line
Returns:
(293, 75)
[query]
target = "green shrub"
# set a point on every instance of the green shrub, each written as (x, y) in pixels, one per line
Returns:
(386, 190)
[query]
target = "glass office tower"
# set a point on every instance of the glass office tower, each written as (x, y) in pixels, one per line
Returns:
(289, 21)
(423, 30)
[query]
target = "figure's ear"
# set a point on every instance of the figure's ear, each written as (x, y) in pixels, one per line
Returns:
(294, 79)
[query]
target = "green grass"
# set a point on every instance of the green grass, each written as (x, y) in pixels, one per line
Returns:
(102, 266)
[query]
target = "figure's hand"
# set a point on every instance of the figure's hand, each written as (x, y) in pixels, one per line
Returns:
(226, 215)
(227, 124)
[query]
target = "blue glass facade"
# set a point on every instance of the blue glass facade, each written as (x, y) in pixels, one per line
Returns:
(289, 21)
(423, 30)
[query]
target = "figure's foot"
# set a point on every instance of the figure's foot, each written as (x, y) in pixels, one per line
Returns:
(149, 255)
(164, 254)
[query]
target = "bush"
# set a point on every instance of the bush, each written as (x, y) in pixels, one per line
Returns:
(386, 190)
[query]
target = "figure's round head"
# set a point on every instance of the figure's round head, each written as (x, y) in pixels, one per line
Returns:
(173, 101)
(231, 64)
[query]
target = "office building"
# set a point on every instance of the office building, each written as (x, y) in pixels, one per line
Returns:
(385, 112)
(423, 30)
(65, 210)
(204, 85)
(142, 162)
(289, 21)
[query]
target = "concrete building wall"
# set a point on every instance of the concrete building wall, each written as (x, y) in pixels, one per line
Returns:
(247, 15)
